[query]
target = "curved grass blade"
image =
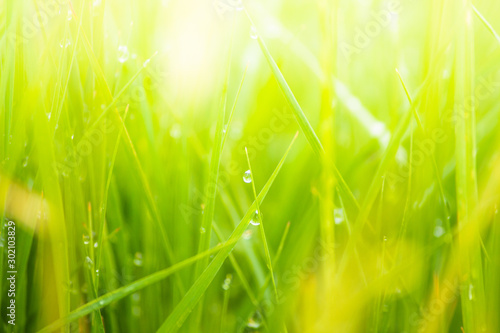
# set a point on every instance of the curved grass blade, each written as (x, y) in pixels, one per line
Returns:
(208, 215)
(194, 294)
(122, 292)
(486, 23)
(304, 124)
(261, 228)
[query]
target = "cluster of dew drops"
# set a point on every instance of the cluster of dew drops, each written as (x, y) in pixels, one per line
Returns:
(247, 178)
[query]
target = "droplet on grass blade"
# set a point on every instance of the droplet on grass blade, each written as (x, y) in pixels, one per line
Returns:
(255, 321)
(64, 43)
(255, 220)
(227, 282)
(138, 259)
(175, 131)
(202, 230)
(338, 215)
(247, 177)
(88, 262)
(438, 231)
(86, 239)
(70, 15)
(253, 33)
(123, 53)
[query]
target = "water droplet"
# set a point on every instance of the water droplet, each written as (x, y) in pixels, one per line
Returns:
(138, 259)
(88, 262)
(64, 44)
(175, 131)
(96, 245)
(438, 231)
(255, 220)
(123, 53)
(101, 303)
(247, 177)
(136, 297)
(145, 63)
(202, 230)
(255, 321)
(86, 239)
(227, 282)
(97, 272)
(73, 137)
(338, 215)
(253, 33)
(70, 15)
(25, 162)
(471, 294)
(247, 234)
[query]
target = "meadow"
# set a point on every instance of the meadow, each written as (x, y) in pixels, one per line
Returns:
(249, 166)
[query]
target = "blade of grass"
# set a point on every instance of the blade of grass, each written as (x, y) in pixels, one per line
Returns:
(486, 23)
(473, 307)
(208, 215)
(192, 297)
(127, 290)
(258, 215)
(304, 124)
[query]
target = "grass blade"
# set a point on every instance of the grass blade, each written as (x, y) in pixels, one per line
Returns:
(194, 294)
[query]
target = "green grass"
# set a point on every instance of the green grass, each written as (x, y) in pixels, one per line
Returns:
(371, 141)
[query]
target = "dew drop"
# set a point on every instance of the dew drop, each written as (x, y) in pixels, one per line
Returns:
(255, 321)
(86, 239)
(123, 53)
(338, 215)
(146, 63)
(247, 177)
(202, 230)
(253, 33)
(25, 162)
(88, 262)
(175, 131)
(70, 15)
(227, 282)
(438, 231)
(96, 245)
(64, 43)
(471, 294)
(138, 259)
(255, 220)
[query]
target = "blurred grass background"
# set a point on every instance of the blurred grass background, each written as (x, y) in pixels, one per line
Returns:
(123, 133)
